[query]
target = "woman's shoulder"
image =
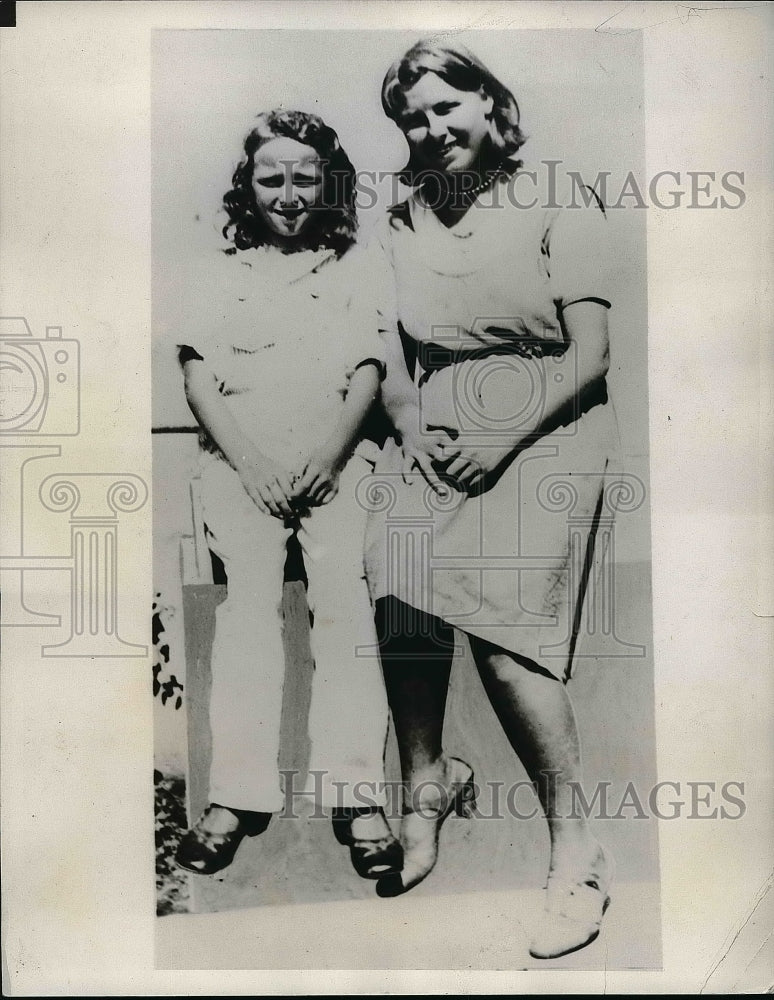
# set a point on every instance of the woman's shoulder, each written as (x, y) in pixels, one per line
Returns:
(224, 272)
(552, 194)
(393, 221)
(399, 215)
(260, 268)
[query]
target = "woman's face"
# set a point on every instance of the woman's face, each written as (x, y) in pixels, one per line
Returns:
(445, 127)
(287, 182)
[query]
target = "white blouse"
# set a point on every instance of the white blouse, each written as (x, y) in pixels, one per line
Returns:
(283, 334)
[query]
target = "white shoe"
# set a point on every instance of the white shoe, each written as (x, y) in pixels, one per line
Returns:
(575, 906)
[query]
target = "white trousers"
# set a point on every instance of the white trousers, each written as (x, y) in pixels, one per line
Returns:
(348, 713)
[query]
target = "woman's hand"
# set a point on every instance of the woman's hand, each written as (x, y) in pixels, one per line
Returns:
(318, 481)
(474, 462)
(267, 484)
(585, 325)
(423, 447)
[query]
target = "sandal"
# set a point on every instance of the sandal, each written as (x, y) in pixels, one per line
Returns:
(204, 853)
(370, 858)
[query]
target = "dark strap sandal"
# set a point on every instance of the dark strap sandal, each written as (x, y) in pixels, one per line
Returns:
(205, 853)
(371, 859)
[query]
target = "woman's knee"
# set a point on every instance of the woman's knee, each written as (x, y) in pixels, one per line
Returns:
(505, 666)
(408, 635)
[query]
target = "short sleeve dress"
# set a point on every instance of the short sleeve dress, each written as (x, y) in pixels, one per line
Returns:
(477, 309)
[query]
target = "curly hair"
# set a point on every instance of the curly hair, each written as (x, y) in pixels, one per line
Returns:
(457, 66)
(333, 224)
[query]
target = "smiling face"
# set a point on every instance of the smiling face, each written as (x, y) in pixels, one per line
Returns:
(445, 127)
(287, 183)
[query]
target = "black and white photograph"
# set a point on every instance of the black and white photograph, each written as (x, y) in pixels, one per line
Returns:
(402, 631)
(385, 497)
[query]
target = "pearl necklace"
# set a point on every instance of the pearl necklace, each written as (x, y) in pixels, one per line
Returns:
(491, 177)
(487, 182)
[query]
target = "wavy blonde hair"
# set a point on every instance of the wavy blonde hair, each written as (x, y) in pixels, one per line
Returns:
(462, 70)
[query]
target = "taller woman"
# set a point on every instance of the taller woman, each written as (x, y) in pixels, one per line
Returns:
(497, 356)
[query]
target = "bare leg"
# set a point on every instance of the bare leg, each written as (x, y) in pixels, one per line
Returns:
(536, 714)
(416, 652)
(537, 717)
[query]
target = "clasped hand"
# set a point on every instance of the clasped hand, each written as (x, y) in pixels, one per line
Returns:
(444, 459)
(283, 494)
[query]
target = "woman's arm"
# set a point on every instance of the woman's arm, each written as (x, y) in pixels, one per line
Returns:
(266, 482)
(585, 324)
(319, 477)
(399, 394)
(362, 390)
(401, 401)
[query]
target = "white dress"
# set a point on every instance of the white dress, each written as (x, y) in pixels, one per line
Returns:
(480, 304)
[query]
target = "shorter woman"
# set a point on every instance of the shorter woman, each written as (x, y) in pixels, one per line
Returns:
(281, 365)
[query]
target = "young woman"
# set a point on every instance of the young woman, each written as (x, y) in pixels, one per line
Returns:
(497, 355)
(281, 368)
